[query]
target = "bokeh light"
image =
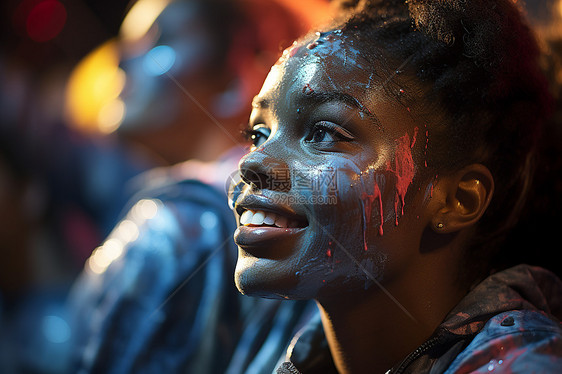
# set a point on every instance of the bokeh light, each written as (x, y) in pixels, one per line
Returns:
(93, 88)
(56, 329)
(159, 60)
(124, 233)
(45, 20)
(140, 18)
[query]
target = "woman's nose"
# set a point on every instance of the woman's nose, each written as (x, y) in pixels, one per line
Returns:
(265, 172)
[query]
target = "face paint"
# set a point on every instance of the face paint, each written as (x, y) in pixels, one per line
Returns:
(346, 154)
(403, 169)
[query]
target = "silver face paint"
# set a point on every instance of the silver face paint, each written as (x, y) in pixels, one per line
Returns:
(326, 117)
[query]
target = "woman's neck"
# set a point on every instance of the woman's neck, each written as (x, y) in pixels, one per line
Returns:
(375, 330)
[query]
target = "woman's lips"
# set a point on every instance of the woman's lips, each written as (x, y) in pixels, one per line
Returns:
(260, 231)
(267, 241)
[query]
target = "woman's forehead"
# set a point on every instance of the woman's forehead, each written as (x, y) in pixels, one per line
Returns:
(325, 62)
(329, 67)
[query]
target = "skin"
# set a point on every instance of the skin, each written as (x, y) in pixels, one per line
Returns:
(293, 106)
(381, 268)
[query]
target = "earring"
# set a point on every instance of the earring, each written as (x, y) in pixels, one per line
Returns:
(440, 225)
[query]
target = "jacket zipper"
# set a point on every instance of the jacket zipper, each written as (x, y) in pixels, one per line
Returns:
(415, 355)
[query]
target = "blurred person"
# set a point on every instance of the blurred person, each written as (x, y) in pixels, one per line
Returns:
(60, 191)
(158, 295)
(190, 76)
(49, 217)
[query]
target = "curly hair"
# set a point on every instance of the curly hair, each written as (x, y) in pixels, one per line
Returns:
(477, 63)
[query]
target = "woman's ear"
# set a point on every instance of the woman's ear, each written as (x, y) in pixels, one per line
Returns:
(461, 198)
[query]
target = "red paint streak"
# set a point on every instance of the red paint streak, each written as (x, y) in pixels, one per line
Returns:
(404, 169)
(377, 194)
(329, 252)
(414, 137)
(369, 200)
(432, 186)
(307, 89)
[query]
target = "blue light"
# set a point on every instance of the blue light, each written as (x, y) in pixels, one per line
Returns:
(159, 60)
(56, 329)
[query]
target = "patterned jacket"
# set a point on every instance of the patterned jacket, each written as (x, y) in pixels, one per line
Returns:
(159, 296)
(509, 323)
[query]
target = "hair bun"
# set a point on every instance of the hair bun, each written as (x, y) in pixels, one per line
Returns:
(482, 29)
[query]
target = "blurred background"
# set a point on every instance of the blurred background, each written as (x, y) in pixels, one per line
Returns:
(92, 94)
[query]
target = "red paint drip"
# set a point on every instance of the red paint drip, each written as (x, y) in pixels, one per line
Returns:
(307, 89)
(414, 137)
(377, 194)
(369, 200)
(403, 170)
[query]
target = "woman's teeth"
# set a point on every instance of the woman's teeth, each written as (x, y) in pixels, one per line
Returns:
(260, 218)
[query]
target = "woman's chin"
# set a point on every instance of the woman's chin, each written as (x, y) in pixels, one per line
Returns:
(270, 279)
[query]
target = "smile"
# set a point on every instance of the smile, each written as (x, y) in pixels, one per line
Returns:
(264, 225)
(259, 218)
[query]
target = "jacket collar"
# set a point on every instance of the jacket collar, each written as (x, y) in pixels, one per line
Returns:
(517, 288)
(521, 287)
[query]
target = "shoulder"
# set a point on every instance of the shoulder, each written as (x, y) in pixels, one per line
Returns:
(514, 341)
(167, 232)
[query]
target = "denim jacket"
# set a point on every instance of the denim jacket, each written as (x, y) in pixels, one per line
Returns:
(166, 302)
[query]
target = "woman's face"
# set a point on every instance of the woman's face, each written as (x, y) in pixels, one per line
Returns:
(182, 50)
(330, 201)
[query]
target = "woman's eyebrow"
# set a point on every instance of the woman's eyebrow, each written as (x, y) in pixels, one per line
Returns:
(319, 97)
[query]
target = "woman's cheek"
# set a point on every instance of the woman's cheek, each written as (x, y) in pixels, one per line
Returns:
(341, 252)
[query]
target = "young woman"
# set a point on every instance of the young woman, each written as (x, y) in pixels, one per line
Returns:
(392, 153)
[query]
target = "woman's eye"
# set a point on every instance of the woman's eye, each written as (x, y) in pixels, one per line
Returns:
(258, 135)
(321, 135)
(328, 132)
